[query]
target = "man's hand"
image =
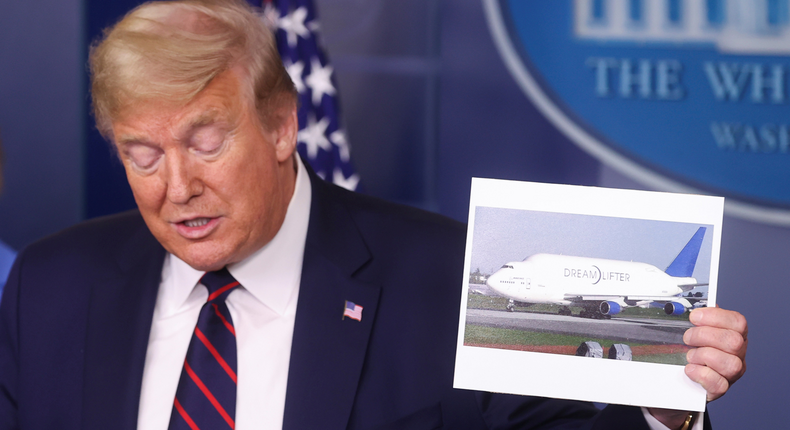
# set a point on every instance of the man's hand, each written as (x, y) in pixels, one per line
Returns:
(719, 359)
(720, 338)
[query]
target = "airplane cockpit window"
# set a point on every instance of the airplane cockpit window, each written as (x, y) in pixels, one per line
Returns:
(507, 266)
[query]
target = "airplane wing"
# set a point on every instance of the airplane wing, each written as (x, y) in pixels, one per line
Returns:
(689, 287)
(624, 300)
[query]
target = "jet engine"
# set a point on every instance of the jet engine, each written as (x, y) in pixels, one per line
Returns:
(610, 308)
(674, 308)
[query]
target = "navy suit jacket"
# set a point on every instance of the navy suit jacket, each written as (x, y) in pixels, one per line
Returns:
(77, 312)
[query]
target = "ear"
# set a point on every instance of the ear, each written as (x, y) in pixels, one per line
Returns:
(285, 145)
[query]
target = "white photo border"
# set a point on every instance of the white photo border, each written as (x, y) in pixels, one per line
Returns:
(569, 377)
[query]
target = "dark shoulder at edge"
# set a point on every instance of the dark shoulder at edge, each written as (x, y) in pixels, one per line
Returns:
(94, 236)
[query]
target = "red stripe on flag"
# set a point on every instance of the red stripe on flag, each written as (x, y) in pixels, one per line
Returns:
(208, 395)
(216, 294)
(224, 321)
(185, 415)
(215, 353)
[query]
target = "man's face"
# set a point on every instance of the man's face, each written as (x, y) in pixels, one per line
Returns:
(211, 183)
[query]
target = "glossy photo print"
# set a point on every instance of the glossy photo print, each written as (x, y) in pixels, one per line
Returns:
(583, 285)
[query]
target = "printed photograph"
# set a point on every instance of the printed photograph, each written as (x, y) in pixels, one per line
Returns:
(585, 293)
(585, 285)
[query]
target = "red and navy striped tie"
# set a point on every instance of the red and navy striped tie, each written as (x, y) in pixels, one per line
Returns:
(206, 394)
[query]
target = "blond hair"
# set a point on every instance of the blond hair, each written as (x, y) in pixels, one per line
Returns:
(171, 50)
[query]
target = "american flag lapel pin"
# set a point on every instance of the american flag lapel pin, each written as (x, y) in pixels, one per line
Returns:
(353, 311)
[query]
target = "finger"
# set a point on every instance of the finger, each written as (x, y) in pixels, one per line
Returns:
(729, 366)
(718, 317)
(729, 341)
(714, 384)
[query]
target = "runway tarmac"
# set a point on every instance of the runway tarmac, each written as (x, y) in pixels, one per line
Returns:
(651, 331)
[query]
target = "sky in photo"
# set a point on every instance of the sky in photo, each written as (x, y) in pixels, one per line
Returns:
(504, 235)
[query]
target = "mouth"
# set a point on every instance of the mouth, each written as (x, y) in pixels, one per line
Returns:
(197, 222)
(197, 228)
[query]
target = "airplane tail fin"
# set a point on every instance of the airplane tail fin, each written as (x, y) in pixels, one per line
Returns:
(683, 265)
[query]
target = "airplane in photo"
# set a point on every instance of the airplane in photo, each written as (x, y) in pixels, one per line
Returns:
(600, 287)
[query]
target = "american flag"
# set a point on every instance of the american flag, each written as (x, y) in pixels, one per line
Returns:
(321, 139)
(353, 311)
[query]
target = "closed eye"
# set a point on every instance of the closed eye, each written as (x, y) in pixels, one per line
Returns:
(143, 157)
(208, 140)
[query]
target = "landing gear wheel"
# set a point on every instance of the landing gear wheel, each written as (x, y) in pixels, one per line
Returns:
(510, 306)
(565, 311)
(592, 314)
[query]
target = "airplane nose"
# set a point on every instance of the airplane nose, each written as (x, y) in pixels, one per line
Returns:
(493, 281)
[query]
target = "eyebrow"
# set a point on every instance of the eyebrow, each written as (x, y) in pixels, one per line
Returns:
(205, 118)
(128, 140)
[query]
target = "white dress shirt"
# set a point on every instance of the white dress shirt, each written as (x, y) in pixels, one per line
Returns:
(263, 312)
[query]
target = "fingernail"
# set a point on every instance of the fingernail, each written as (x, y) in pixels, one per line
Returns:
(690, 355)
(686, 337)
(690, 371)
(695, 316)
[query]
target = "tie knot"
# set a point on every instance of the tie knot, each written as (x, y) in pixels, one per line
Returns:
(219, 283)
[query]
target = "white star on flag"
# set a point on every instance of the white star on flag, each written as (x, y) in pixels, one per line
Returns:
(270, 16)
(323, 143)
(349, 183)
(293, 24)
(320, 80)
(339, 139)
(295, 72)
(313, 136)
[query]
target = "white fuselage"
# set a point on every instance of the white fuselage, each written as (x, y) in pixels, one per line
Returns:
(566, 280)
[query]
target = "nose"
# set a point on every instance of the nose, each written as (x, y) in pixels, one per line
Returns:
(183, 179)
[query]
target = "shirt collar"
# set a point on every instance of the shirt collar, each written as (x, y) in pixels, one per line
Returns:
(270, 274)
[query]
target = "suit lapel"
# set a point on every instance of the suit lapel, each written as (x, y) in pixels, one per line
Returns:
(119, 322)
(328, 351)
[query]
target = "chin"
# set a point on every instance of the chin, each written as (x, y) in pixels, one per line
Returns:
(205, 260)
(205, 266)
